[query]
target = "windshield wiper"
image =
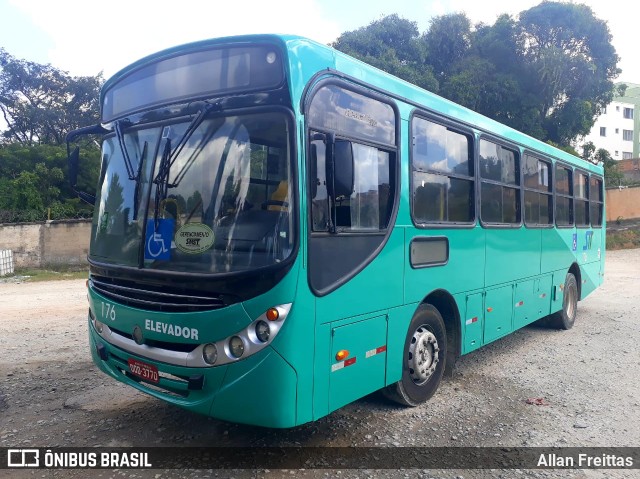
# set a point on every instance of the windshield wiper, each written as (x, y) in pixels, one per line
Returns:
(125, 154)
(162, 179)
(136, 191)
(169, 156)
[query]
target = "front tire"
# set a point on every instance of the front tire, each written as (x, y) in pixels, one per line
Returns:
(566, 317)
(424, 359)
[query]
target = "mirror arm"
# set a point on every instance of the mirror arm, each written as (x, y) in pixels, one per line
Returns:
(96, 129)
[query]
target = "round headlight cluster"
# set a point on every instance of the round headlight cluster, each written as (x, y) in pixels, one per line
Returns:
(263, 331)
(210, 353)
(236, 346)
(255, 337)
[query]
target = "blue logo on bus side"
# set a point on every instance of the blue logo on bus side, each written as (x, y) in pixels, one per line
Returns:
(575, 242)
(157, 242)
(588, 240)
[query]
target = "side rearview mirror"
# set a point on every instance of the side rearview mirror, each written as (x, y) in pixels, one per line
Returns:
(73, 157)
(343, 177)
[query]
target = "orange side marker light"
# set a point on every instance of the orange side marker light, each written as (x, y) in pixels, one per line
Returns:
(272, 314)
(342, 354)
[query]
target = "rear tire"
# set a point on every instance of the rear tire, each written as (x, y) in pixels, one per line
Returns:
(424, 359)
(566, 317)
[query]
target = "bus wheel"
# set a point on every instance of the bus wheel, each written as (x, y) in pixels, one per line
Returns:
(424, 358)
(566, 317)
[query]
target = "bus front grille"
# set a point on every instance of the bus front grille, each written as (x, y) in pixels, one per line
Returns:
(152, 297)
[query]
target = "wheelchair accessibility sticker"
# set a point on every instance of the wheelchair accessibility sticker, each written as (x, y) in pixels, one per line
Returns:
(157, 243)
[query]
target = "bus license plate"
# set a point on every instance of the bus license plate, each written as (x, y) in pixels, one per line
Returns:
(144, 370)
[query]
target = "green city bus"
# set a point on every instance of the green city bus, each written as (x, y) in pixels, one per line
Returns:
(281, 229)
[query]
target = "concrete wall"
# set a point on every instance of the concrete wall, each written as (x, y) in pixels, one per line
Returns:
(623, 203)
(37, 245)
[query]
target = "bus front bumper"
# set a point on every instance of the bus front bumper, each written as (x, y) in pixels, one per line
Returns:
(258, 390)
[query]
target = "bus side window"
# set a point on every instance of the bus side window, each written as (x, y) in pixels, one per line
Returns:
(581, 199)
(442, 174)
(500, 188)
(564, 196)
(596, 201)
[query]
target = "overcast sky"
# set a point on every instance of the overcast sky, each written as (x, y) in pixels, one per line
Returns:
(85, 37)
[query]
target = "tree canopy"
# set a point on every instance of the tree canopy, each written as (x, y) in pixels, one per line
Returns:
(548, 71)
(392, 44)
(40, 104)
(612, 173)
(34, 186)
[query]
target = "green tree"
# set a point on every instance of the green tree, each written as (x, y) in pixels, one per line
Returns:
(488, 79)
(41, 104)
(33, 180)
(392, 44)
(612, 174)
(447, 42)
(569, 65)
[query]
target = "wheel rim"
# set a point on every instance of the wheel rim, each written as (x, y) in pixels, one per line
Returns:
(570, 300)
(423, 355)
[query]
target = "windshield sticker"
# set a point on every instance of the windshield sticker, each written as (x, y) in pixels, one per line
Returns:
(194, 238)
(158, 239)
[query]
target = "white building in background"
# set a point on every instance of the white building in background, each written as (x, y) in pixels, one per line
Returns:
(617, 130)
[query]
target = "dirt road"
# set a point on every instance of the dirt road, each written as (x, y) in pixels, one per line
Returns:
(52, 395)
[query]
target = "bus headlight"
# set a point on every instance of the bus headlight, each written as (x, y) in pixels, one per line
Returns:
(263, 331)
(236, 346)
(210, 353)
(255, 337)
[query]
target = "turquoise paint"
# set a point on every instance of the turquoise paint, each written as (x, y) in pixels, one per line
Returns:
(259, 390)
(525, 306)
(399, 319)
(363, 370)
(498, 308)
(511, 254)
(472, 321)
(466, 258)
(321, 370)
(557, 249)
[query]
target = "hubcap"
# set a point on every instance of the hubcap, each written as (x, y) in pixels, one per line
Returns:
(423, 355)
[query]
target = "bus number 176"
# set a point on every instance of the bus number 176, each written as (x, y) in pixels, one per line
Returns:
(108, 311)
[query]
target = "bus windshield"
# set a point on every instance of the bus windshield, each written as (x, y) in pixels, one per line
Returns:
(221, 202)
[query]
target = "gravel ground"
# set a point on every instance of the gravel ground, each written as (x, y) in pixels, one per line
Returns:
(52, 395)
